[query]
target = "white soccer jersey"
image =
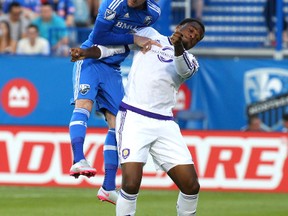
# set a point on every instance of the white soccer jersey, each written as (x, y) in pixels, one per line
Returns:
(159, 71)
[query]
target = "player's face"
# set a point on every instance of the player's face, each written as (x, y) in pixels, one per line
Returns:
(135, 3)
(192, 33)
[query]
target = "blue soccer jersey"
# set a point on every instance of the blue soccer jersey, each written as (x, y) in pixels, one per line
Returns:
(115, 21)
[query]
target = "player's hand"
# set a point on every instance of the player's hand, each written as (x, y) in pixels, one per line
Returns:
(145, 43)
(77, 54)
(176, 38)
(148, 45)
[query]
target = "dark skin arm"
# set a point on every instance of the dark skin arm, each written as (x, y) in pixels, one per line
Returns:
(80, 54)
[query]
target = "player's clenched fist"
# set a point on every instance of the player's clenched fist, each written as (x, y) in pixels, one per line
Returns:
(176, 38)
(77, 54)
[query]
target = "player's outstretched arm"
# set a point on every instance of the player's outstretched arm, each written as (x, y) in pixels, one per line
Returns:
(96, 52)
(80, 54)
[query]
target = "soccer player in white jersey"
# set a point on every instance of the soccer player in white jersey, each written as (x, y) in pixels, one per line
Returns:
(145, 123)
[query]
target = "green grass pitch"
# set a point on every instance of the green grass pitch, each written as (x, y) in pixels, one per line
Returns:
(46, 201)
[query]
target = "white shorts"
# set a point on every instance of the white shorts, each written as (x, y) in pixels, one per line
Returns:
(138, 135)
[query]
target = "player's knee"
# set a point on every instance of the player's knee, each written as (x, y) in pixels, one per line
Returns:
(84, 104)
(192, 187)
(131, 187)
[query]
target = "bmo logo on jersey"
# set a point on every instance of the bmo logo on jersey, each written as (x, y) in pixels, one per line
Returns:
(19, 97)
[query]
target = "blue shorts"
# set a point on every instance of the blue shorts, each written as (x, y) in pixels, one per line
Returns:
(99, 82)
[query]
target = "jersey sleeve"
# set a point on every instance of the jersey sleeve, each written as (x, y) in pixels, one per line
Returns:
(108, 12)
(186, 65)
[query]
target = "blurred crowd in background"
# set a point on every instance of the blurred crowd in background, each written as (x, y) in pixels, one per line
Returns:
(25, 24)
(37, 27)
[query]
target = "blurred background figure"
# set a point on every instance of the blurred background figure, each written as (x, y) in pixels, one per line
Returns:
(66, 10)
(17, 21)
(285, 122)
(254, 124)
(53, 28)
(33, 44)
(197, 6)
(30, 8)
(270, 20)
(82, 13)
(94, 6)
(7, 44)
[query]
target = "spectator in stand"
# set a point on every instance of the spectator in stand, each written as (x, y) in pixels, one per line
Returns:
(285, 122)
(254, 124)
(269, 15)
(7, 44)
(53, 28)
(66, 10)
(33, 44)
(197, 7)
(30, 8)
(17, 21)
(94, 6)
(1, 8)
(82, 13)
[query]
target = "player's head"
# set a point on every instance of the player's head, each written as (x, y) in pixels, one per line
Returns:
(136, 3)
(193, 31)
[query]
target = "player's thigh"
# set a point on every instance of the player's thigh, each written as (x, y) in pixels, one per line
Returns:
(185, 177)
(170, 149)
(133, 137)
(111, 90)
(85, 80)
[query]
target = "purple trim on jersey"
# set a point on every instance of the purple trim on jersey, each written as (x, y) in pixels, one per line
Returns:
(124, 107)
(170, 41)
(188, 62)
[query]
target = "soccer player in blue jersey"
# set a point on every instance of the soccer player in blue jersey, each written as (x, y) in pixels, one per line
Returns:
(100, 81)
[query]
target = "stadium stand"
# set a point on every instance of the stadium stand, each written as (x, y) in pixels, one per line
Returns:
(229, 23)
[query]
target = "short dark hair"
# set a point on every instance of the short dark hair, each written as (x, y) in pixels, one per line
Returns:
(33, 26)
(252, 117)
(188, 20)
(13, 5)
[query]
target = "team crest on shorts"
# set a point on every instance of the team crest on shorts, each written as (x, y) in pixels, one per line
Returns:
(84, 88)
(125, 153)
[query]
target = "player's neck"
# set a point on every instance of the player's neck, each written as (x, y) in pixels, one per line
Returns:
(142, 7)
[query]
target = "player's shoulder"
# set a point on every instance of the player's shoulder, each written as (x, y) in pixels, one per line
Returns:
(114, 5)
(154, 7)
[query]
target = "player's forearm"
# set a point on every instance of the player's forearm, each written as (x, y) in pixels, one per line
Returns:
(178, 49)
(99, 51)
(92, 52)
(186, 65)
